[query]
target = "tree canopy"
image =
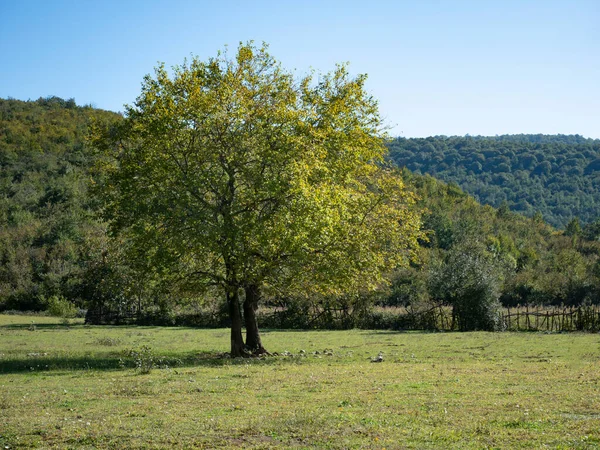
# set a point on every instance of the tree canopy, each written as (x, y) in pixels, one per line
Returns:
(557, 176)
(234, 173)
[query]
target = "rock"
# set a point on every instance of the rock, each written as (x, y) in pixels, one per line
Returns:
(378, 358)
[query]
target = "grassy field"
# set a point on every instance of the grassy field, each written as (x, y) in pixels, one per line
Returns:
(73, 386)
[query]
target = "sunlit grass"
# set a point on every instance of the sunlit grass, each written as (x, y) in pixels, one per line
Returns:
(75, 387)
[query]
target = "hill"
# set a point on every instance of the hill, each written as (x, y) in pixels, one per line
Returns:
(555, 175)
(526, 260)
(54, 251)
(47, 229)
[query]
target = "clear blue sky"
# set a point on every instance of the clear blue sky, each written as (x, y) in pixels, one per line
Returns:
(437, 67)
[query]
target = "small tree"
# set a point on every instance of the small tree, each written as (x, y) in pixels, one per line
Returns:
(236, 174)
(469, 280)
(573, 230)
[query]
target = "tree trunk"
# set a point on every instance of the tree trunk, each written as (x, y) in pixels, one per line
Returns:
(237, 341)
(253, 342)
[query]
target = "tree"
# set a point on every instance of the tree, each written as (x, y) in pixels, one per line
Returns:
(591, 231)
(573, 228)
(469, 280)
(245, 177)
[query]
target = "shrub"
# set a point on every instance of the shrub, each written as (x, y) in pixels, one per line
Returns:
(108, 341)
(143, 359)
(59, 306)
(469, 280)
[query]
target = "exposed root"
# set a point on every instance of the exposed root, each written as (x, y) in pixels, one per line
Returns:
(261, 352)
(258, 352)
(249, 354)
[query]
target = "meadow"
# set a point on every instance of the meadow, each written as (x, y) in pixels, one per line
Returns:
(75, 386)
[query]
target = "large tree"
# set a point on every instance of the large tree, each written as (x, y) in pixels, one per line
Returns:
(242, 175)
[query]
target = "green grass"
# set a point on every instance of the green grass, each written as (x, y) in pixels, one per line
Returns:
(76, 387)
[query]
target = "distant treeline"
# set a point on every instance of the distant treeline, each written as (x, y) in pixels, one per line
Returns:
(557, 176)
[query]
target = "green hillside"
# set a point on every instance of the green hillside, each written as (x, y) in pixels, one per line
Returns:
(47, 232)
(558, 176)
(54, 249)
(526, 260)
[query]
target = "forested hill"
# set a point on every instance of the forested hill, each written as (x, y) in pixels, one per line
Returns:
(558, 176)
(52, 245)
(47, 229)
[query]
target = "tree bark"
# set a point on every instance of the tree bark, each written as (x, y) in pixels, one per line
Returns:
(237, 341)
(253, 341)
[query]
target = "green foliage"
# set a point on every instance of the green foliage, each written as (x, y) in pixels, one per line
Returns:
(53, 246)
(555, 175)
(59, 306)
(469, 281)
(143, 359)
(573, 228)
(591, 232)
(46, 215)
(538, 265)
(233, 173)
(408, 287)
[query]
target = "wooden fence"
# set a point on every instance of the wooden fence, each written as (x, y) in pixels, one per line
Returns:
(521, 318)
(560, 318)
(106, 316)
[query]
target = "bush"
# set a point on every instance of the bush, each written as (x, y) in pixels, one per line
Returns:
(143, 359)
(469, 280)
(59, 306)
(384, 320)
